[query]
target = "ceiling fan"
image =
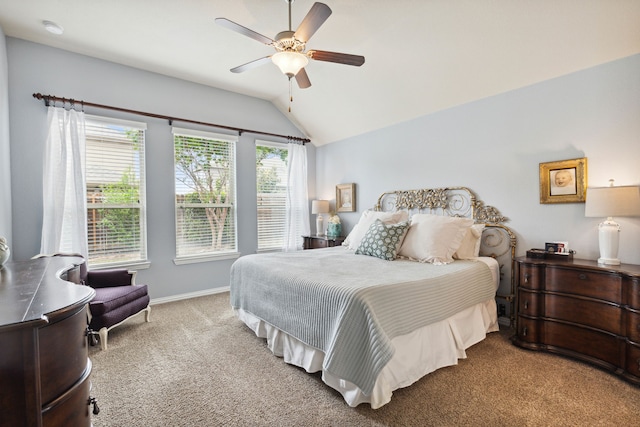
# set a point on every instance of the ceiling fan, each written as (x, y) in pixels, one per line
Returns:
(290, 46)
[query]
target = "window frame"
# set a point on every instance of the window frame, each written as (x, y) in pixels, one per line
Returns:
(141, 262)
(212, 255)
(279, 146)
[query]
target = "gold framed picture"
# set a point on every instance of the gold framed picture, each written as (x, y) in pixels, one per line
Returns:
(345, 198)
(564, 181)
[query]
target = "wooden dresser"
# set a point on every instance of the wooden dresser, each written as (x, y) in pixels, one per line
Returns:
(44, 361)
(583, 310)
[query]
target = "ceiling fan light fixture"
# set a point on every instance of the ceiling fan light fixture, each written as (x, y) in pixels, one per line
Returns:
(290, 63)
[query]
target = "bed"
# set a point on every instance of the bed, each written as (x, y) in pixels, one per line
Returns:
(414, 286)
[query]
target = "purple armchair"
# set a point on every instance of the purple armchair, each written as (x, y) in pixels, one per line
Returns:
(117, 299)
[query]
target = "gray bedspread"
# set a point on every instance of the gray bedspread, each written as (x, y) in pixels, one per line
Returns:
(351, 306)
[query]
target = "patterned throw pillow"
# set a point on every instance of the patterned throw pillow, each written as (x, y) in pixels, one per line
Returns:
(383, 240)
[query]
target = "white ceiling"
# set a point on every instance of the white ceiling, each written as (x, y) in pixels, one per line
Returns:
(421, 56)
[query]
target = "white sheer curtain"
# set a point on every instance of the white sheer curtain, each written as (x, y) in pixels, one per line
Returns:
(297, 220)
(64, 217)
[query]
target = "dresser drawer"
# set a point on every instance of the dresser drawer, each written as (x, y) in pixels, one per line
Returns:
(633, 290)
(588, 312)
(72, 408)
(528, 330)
(633, 326)
(633, 361)
(585, 283)
(319, 243)
(63, 349)
(585, 342)
(531, 276)
(530, 303)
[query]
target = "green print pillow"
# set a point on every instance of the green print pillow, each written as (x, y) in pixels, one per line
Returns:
(383, 240)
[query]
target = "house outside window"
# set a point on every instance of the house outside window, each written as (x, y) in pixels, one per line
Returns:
(116, 191)
(271, 174)
(205, 195)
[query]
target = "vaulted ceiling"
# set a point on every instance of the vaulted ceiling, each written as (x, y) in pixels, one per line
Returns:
(422, 56)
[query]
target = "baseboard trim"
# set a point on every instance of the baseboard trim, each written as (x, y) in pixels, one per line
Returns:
(180, 297)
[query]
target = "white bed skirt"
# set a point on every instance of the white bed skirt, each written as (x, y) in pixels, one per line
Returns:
(416, 354)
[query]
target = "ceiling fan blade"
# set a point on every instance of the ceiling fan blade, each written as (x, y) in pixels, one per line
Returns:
(250, 65)
(244, 31)
(316, 16)
(340, 58)
(303, 79)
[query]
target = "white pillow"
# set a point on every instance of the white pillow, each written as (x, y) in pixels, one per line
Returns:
(434, 238)
(369, 217)
(470, 246)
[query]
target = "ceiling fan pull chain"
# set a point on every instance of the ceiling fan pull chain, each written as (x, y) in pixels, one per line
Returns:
(290, 95)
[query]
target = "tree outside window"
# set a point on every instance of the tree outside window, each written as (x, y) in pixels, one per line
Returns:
(205, 194)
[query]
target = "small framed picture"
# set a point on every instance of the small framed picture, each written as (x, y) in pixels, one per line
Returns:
(345, 198)
(564, 181)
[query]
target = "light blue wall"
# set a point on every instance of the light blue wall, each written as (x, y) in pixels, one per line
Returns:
(5, 165)
(495, 145)
(35, 68)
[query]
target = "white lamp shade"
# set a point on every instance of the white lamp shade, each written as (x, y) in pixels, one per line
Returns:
(319, 206)
(290, 62)
(613, 201)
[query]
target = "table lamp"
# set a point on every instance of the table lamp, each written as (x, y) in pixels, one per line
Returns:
(609, 202)
(319, 207)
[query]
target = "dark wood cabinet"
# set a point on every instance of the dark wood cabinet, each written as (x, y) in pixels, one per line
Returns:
(317, 242)
(44, 362)
(583, 310)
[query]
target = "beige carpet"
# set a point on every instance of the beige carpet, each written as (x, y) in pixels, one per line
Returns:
(195, 364)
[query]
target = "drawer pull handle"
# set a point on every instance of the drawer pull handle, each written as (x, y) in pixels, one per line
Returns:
(526, 277)
(94, 402)
(582, 276)
(524, 334)
(526, 306)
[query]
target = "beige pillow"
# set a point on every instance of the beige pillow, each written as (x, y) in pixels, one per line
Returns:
(434, 238)
(369, 217)
(470, 246)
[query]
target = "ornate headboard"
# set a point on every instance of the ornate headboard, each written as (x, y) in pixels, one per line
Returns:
(498, 240)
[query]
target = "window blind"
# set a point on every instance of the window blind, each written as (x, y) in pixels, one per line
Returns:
(271, 174)
(205, 194)
(116, 199)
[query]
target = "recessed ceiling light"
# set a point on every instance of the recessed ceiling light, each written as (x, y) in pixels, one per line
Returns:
(52, 27)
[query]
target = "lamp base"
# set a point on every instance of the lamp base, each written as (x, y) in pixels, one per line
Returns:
(608, 239)
(608, 261)
(319, 226)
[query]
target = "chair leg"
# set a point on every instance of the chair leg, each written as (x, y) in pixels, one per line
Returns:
(147, 314)
(91, 335)
(103, 332)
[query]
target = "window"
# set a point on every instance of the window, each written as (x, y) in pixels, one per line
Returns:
(115, 175)
(271, 172)
(205, 194)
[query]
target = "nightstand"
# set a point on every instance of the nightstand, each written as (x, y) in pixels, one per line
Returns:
(317, 242)
(583, 310)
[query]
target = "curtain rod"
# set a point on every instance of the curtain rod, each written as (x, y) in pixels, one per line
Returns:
(49, 98)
